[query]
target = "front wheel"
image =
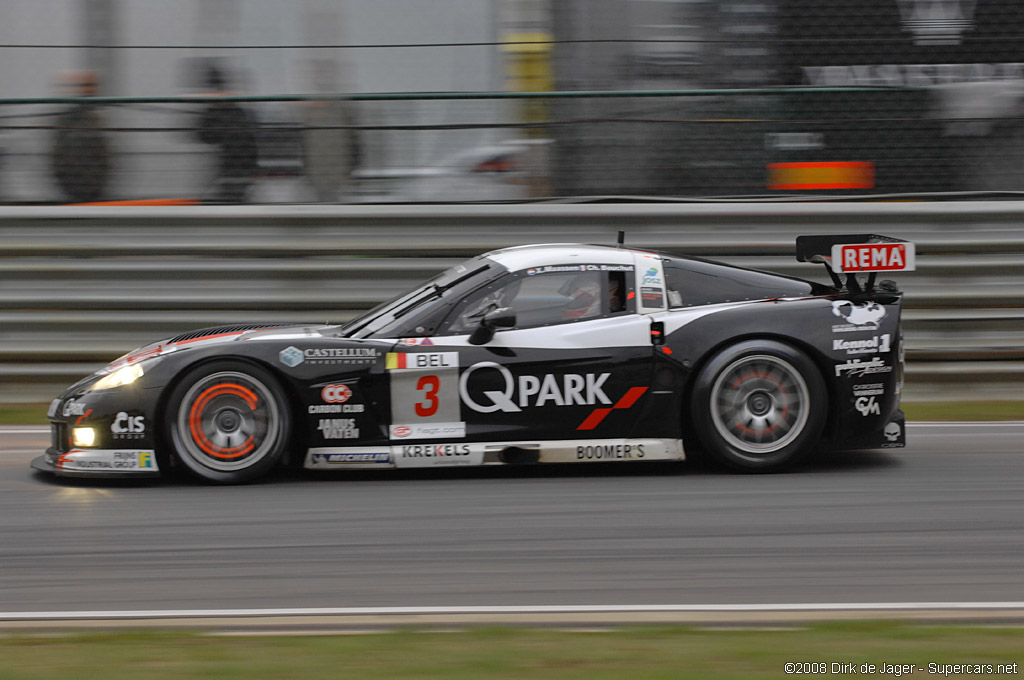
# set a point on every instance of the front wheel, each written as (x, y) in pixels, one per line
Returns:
(759, 406)
(228, 422)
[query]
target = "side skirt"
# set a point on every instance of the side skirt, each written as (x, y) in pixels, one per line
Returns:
(493, 453)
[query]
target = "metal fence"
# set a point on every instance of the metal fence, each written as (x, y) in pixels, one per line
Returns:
(482, 147)
(80, 286)
(517, 99)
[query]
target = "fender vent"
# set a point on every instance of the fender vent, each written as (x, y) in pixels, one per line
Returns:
(219, 330)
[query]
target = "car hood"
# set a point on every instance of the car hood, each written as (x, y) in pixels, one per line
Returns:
(204, 337)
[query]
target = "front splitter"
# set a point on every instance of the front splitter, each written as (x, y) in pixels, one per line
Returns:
(99, 464)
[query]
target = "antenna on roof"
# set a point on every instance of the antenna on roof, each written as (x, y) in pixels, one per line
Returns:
(622, 239)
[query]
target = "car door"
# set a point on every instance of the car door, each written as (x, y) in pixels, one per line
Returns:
(575, 365)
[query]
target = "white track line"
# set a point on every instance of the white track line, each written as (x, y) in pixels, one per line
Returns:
(978, 423)
(925, 423)
(509, 609)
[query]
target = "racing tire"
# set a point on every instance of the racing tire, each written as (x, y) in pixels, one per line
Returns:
(759, 406)
(228, 422)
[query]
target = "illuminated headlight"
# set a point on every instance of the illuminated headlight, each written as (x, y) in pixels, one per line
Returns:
(120, 377)
(83, 436)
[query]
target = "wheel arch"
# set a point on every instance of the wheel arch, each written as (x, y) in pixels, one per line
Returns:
(297, 438)
(817, 357)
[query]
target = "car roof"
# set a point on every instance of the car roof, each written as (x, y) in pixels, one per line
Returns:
(522, 257)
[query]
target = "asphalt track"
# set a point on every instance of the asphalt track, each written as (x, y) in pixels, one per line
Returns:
(941, 521)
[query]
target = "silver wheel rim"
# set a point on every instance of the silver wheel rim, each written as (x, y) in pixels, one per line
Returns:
(228, 421)
(760, 404)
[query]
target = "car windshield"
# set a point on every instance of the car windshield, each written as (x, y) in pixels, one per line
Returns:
(451, 282)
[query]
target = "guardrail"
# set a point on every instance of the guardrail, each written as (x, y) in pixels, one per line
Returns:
(81, 286)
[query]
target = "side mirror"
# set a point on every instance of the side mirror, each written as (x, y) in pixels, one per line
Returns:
(493, 320)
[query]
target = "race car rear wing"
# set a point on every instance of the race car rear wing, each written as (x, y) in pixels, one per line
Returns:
(852, 254)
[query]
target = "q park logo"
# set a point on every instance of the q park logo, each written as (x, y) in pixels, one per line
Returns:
(937, 22)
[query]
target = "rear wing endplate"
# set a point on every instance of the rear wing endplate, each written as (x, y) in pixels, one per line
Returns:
(853, 254)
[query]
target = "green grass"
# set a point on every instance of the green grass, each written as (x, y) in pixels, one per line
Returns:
(964, 410)
(495, 654)
(23, 414)
(35, 414)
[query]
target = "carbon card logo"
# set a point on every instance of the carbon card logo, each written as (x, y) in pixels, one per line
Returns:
(937, 22)
(336, 394)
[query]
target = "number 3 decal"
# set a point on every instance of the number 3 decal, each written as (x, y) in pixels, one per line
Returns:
(428, 407)
(424, 388)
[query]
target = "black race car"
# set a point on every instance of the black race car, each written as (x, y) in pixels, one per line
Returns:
(534, 354)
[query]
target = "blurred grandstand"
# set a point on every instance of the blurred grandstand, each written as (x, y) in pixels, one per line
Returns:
(510, 100)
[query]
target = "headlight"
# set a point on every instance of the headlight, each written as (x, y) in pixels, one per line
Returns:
(83, 436)
(119, 378)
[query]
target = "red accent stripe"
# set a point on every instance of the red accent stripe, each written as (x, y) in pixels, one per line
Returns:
(599, 414)
(630, 397)
(594, 419)
(209, 337)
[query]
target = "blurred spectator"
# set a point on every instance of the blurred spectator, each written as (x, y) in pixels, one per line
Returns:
(80, 156)
(231, 128)
(329, 148)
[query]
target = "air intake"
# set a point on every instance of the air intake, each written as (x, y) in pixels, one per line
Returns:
(220, 330)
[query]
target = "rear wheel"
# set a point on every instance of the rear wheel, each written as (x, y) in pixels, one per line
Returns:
(228, 422)
(759, 405)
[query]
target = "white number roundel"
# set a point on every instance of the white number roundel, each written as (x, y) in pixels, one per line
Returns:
(336, 394)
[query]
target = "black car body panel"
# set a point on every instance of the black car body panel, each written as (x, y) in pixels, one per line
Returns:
(561, 353)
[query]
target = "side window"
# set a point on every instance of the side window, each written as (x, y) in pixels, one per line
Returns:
(541, 299)
(695, 282)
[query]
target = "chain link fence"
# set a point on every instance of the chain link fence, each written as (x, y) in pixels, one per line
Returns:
(778, 142)
(264, 150)
(648, 98)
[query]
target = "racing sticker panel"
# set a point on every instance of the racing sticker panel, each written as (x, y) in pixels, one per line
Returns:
(424, 395)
